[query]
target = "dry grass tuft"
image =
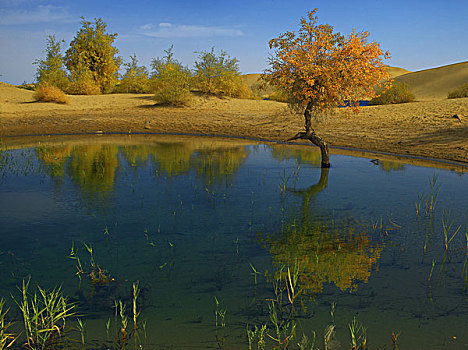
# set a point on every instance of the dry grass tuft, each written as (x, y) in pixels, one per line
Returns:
(50, 93)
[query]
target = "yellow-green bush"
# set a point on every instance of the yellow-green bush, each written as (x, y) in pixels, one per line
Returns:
(218, 75)
(170, 81)
(51, 70)
(50, 93)
(461, 91)
(397, 93)
(135, 80)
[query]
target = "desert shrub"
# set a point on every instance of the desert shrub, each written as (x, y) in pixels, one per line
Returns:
(218, 75)
(170, 81)
(460, 92)
(135, 79)
(397, 93)
(51, 70)
(27, 86)
(50, 93)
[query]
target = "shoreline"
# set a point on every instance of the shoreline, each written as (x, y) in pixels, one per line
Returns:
(424, 129)
(378, 156)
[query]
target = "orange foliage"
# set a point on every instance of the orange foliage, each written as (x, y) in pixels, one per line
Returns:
(324, 68)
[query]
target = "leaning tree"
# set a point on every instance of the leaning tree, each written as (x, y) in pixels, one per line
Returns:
(321, 70)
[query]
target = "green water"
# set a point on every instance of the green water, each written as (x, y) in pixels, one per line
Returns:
(191, 219)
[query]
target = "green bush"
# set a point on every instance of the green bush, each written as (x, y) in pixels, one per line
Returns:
(135, 80)
(170, 81)
(397, 93)
(460, 92)
(219, 75)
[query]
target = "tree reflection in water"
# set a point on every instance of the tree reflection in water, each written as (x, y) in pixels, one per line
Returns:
(323, 251)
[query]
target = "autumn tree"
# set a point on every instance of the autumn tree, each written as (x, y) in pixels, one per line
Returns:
(91, 50)
(51, 70)
(321, 70)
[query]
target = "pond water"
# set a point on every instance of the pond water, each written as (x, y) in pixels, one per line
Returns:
(223, 236)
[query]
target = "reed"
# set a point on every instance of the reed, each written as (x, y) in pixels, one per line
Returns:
(108, 331)
(254, 273)
(258, 333)
(136, 313)
(358, 335)
(81, 329)
(447, 225)
(6, 339)
(434, 188)
(395, 340)
(44, 315)
(123, 335)
(220, 325)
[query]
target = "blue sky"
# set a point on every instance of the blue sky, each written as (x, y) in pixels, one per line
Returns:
(419, 34)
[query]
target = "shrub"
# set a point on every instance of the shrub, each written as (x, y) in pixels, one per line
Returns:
(170, 81)
(50, 93)
(135, 79)
(218, 75)
(397, 93)
(460, 92)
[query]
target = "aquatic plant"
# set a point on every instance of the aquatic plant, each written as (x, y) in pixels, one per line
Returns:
(447, 225)
(123, 337)
(6, 339)
(358, 335)
(220, 325)
(44, 315)
(96, 275)
(259, 333)
(395, 340)
(81, 329)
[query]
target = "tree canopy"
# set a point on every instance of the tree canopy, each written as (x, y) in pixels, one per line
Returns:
(92, 49)
(322, 69)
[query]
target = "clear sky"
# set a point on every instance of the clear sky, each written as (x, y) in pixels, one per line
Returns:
(419, 34)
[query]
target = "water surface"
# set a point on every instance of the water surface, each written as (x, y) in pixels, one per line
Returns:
(208, 228)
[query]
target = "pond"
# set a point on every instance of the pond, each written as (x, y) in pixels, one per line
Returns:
(220, 243)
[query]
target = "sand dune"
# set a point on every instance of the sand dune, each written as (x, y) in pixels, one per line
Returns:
(436, 83)
(397, 71)
(251, 79)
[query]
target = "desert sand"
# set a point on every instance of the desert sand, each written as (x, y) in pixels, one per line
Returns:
(426, 128)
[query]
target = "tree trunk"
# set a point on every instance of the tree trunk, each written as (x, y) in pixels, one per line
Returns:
(310, 135)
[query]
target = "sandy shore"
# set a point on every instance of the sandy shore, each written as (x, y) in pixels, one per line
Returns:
(426, 129)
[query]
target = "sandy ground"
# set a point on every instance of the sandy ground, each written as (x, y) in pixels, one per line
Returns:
(427, 129)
